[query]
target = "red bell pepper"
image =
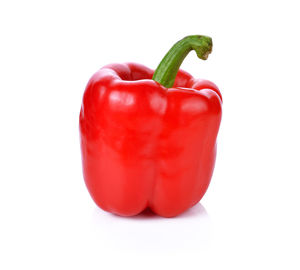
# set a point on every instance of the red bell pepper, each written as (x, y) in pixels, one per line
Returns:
(148, 140)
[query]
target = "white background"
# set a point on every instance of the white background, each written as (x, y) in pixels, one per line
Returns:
(248, 219)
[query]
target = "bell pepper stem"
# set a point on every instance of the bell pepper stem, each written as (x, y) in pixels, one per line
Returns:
(167, 69)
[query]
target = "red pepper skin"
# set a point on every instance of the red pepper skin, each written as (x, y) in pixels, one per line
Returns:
(147, 146)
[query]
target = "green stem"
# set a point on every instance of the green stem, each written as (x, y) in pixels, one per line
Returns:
(167, 69)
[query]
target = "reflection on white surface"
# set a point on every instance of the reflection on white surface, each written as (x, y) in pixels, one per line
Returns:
(148, 231)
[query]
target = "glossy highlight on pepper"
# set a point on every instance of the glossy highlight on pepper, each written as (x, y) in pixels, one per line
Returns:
(146, 144)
